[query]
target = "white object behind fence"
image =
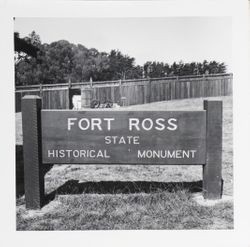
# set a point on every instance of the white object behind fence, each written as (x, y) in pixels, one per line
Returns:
(76, 99)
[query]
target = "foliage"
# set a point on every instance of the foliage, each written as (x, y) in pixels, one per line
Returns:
(156, 69)
(62, 61)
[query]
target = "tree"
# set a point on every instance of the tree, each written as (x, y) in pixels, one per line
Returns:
(121, 66)
(27, 62)
(60, 61)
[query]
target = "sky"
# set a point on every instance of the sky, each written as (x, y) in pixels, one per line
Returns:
(168, 40)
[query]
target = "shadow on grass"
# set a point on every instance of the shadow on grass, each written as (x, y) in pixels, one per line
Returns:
(122, 187)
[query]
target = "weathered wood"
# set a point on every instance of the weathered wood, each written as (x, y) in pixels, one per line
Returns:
(112, 94)
(120, 90)
(86, 97)
(57, 135)
(149, 91)
(32, 148)
(57, 97)
(212, 170)
(41, 90)
(19, 171)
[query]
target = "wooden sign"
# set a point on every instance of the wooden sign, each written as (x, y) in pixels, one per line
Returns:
(120, 137)
(123, 137)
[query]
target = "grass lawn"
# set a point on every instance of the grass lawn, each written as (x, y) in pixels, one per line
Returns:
(88, 197)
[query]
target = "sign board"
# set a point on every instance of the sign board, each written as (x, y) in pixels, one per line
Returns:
(123, 137)
(120, 137)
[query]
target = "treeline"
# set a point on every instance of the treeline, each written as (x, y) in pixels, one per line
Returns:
(62, 61)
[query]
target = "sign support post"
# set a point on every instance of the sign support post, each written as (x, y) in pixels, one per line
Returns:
(212, 177)
(32, 152)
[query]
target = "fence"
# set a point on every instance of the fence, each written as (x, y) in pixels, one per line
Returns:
(140, 91)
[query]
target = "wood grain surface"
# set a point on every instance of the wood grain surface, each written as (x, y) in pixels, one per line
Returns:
(164, 146)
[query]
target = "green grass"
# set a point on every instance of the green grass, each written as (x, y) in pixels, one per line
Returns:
(89, 197)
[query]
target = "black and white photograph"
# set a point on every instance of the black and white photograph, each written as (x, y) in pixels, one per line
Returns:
(123, 123)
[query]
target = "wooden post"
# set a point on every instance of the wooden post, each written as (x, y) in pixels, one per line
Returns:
(69, 83)
(120, 91)
(91, 82)
(41, 90)
(69, 103)
(32, 152)
(212, 177)
(149, 92)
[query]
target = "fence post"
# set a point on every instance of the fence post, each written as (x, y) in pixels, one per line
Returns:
(212, 170)
(91, 82)
(149, 90)
(32, 152)
(69, 103)
(120, 91)
(41, 90)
